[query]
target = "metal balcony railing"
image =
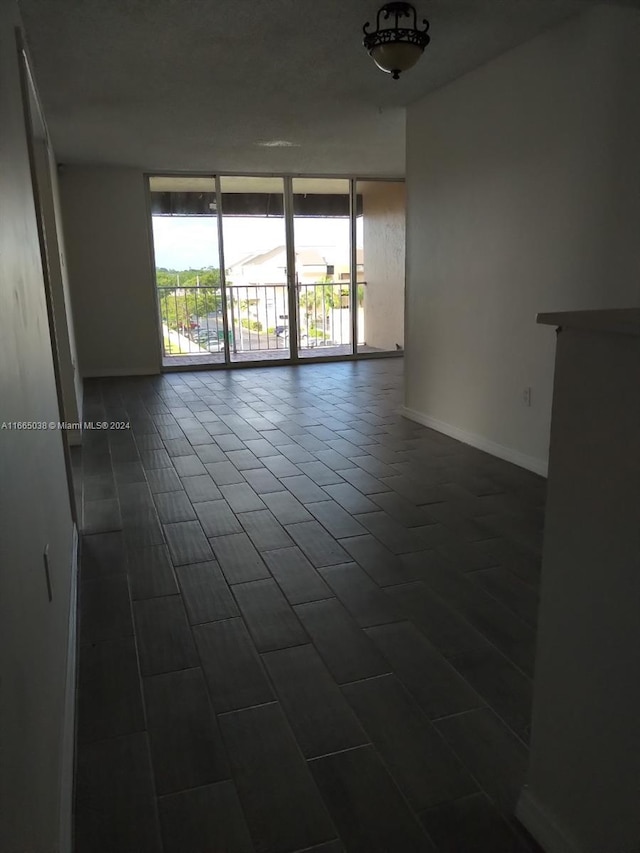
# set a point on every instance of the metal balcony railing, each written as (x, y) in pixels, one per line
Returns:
(192, 317)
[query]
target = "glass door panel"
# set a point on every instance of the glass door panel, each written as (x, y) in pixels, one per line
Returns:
(322, 238)
(380, 264)
(187, 269)
(255, 258)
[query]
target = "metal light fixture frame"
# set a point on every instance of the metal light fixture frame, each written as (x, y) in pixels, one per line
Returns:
(396, 34)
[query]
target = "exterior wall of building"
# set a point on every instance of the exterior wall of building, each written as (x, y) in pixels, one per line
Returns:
(384, 263)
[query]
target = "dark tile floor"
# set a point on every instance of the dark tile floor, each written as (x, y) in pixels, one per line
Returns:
(306, 624)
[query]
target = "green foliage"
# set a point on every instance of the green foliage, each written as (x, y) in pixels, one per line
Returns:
(169, 347)
(203, 277)
(314, 300)
(188, 294)
(253, 325)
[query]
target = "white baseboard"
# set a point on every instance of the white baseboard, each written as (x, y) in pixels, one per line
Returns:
(67, 762)
(538, 466)
(542, 826)
(121, 371)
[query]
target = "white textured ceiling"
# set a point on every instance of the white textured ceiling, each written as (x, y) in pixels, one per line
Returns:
(198, 84)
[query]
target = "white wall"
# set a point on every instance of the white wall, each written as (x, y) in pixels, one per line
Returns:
(110, 270)
(34, 507)
(523, 184)
(582, 789)
(383, 207)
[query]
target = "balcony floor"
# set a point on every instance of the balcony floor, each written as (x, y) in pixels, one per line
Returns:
(306, 623)
(260, 355)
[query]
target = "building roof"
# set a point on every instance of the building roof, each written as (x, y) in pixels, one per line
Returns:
(311, 258)
(308, 256)
(256, 259)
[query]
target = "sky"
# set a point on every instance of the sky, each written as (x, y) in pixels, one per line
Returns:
(191, 242)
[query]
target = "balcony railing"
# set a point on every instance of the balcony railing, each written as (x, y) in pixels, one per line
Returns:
(192, 318)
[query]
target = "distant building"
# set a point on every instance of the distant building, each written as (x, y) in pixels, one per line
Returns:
(258, 285)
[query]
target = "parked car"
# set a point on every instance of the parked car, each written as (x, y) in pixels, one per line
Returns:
(210, 341)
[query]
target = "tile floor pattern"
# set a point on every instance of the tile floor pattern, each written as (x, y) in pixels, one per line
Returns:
(306, 623)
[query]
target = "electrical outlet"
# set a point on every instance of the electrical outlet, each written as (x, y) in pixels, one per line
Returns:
(526, 396)
(45, 557)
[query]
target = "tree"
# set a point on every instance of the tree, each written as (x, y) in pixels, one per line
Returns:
(316, 302)
(186, 296)
(203, 277)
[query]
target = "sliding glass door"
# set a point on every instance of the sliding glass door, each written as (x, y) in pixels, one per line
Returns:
(188, 270)
(322, 247)
(253, 269)
(255, 259)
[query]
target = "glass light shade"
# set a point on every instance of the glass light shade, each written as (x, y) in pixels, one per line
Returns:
(396, 56)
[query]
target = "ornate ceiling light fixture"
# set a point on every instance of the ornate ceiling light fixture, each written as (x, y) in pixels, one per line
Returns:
(394, 48)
